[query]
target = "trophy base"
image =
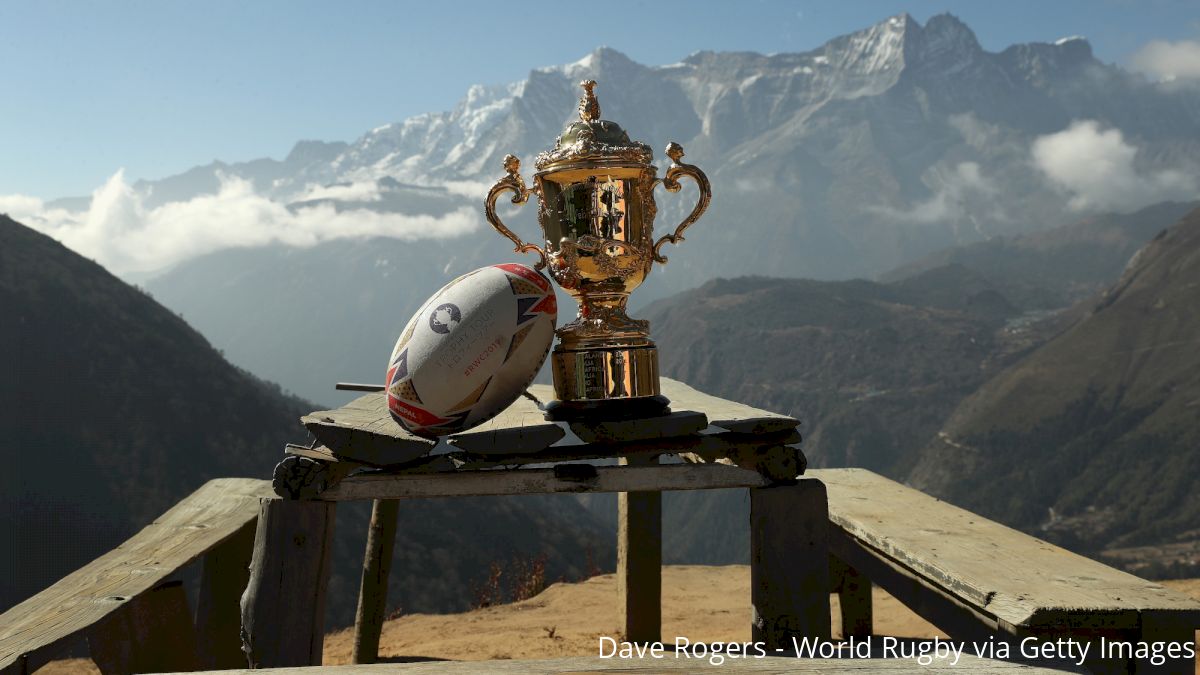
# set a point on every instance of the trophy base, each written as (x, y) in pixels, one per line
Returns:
(610, 409)
(606, 383)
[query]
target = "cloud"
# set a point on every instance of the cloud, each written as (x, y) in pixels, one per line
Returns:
(959, 194)
(1095, 167)
(362, 191)
(978, 134)
(120, 232)
(1169, 61)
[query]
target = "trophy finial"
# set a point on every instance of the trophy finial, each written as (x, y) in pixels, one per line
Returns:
(675, 152)
(589, 107)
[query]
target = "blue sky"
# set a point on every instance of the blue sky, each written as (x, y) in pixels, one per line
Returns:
(158, 87)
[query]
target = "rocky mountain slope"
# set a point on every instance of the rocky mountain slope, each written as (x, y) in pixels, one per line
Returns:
(874, 370)
(1059, 266)
(871, 370)
(1091, 439)
(867, 367)
(112, 409)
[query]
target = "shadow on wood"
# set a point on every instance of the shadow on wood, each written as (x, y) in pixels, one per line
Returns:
(639, 561)
(789, 563)
(152, 633)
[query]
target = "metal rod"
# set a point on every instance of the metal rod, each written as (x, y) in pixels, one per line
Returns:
(355, 386)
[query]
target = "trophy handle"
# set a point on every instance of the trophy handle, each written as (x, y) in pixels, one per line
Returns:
(512, 182)
(671, 183)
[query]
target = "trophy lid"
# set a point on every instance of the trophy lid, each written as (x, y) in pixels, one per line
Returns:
(591, 140)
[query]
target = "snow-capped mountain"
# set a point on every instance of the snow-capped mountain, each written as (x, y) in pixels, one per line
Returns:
(848, 160)
(873, 149)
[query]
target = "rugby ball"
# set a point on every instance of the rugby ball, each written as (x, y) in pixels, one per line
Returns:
(471, 349)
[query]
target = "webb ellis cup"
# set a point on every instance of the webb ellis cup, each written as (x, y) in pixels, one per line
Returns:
(596, 210)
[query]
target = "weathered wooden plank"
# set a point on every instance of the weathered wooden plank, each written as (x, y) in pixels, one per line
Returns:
(673, 662)
(283, 608)
(778, 462)
(540, 481)
(703, 445)
(789, 563)
(676, 423)
(317, 452)
(520, 428)
(1018, 579)
(729, 415)
(680, 422)
(373, 590)
(218, 615)
(364, 430)
(961, 620)
(955, 617)
(854, 598)
(1168, 627)
(34, 629)
(639, 561)
(152, 633)
(300, 477)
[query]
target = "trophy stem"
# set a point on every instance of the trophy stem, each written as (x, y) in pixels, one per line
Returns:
(613, 383)
(603, 324)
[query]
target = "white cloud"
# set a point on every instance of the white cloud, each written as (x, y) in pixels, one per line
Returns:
(978, 134)
(959, 193)
(1169, 61)
(362, 191)
(119, 231)
(1095, 167)
(473, 190)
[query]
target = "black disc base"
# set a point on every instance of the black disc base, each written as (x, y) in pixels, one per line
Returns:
(608, 409)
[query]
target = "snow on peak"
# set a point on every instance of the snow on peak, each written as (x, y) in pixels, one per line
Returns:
(1070, 38)
(585, 62)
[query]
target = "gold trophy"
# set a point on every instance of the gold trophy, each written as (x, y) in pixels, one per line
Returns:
(596, 194)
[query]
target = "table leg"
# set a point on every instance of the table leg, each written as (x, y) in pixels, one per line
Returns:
(854, 597)
(373, 591)
(283, 608)
(639, 561)
(789, 563)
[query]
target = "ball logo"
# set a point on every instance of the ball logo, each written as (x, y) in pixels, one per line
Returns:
(444, 318)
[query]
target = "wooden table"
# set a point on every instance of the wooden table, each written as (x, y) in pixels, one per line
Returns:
(704, 443)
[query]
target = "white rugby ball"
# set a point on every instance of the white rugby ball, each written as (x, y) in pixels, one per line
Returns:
(471, 349)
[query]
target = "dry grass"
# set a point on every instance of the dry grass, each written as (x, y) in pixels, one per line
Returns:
(699, 602)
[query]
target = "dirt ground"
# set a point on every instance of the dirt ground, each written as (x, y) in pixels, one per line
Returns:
(700, 603)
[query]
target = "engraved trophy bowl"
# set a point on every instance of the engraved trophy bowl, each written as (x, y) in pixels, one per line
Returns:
(596, 210)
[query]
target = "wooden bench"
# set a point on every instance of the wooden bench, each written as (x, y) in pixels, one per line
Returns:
(974, 578)
(130, 606)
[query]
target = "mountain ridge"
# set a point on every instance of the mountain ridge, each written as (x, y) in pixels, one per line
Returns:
(875, 148)
(1090, 439)
(112, 408)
